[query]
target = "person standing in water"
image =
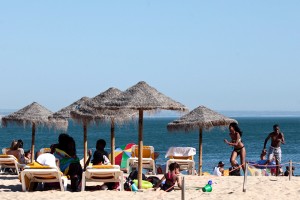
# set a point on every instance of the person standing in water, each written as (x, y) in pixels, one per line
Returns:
(277, 138)
(238, 146)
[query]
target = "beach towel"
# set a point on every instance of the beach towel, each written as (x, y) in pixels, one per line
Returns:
(64, 160)
(257, 172)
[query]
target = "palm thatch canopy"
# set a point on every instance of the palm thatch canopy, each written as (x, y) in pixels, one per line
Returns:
(200, 117)
(33, 113)
(62, 116)
(65, 112)
(143, 97)
(87, 112)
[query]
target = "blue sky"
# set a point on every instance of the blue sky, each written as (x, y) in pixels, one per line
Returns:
(226, 55)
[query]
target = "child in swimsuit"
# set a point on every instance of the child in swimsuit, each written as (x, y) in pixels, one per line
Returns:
(171, 178)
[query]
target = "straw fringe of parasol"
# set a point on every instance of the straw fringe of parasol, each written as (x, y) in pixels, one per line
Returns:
(200, 118)
(34, 115)
(64, 113)
(142, 97)
(87, 113)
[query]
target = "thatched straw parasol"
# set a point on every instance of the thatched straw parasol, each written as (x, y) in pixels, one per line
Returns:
(34, 115)
(87, 113)
(65, 113)
(199, 118)
(142, 97)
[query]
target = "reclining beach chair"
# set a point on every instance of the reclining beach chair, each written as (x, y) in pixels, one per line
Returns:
(35, 172)
(184, 156)
(103, 173)
(147, 160)
(10, 161)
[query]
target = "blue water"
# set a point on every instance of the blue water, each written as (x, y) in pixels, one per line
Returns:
(255, 130)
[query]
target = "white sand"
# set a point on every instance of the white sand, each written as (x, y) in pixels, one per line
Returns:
(263, 187)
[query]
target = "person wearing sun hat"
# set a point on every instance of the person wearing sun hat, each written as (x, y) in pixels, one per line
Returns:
(219, 170)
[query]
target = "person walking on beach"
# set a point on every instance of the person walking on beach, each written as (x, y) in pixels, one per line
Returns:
(238, 146)
(277, 138)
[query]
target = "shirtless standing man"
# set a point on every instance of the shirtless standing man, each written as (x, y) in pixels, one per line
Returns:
(277, 138)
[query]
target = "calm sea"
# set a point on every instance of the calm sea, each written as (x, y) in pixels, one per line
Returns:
(255, 130)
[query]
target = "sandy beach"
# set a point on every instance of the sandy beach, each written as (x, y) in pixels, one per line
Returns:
(230, 187)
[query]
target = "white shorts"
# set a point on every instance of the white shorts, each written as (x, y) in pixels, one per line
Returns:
(274, 152)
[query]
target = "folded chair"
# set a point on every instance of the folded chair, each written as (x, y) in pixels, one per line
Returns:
(184, 156)
(147, 160)
(103, 173)
(10, 161)
(35, 172)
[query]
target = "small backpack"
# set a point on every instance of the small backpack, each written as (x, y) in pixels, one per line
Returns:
(134, 175)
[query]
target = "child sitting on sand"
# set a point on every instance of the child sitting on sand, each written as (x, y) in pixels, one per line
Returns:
(287, 171)
(171, 178)
(219, 170)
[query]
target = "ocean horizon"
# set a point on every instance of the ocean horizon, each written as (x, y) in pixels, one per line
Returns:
(240, 113)
(255, 129)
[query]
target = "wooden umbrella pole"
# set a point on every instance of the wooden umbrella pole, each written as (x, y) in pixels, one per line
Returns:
(245, 177)
(183, 189)
(32, 142)
(200, 153)
(85, 141)
(112, 142)
(290, 170)
(140, 150)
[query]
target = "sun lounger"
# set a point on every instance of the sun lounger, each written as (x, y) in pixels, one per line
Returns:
(184, 156)
(103, 173)
(35, 172)
(10, 161)
(147, 160)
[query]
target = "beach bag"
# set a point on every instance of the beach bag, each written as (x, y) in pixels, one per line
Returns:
(134, 175)
(154, 180)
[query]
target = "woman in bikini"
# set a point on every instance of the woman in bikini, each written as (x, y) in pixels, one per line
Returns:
(238, 146)
(16, 151)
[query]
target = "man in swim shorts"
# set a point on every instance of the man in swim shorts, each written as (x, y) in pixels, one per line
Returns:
(277, 138)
